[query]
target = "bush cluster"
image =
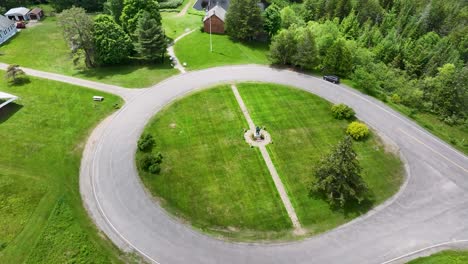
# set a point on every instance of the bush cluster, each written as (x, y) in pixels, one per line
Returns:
(357, 130)
(146, 142)
(151, 163)
(342, 111)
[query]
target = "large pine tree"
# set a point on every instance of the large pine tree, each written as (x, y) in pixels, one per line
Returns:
(244, 19)
(151, 41)
(338, 176)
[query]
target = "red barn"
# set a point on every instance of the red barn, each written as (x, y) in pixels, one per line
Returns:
(214, 20)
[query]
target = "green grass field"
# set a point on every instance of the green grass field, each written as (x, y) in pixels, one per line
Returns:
(210, 176)
(42, 218)
(225, 51)
(444, 257)
(213, 179)
(303, 130)
(175, 26)
(43, 48)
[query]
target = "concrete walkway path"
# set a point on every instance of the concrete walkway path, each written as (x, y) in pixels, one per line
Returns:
(271, 167)
(171, 52)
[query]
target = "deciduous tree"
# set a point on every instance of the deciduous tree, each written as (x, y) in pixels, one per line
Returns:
(338, 59)
(112, 44)
(77, 28)
(283, 46)
(133, 10)
(272, 20)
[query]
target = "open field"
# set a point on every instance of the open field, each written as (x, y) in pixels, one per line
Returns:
(445, 257)
(211, 178)
(225, 51)
(42, 138)
(43, 48)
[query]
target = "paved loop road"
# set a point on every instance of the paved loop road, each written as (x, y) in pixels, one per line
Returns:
(431, 207)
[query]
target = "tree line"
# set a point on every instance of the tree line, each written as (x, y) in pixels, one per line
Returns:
(412, 52)
(131, 30)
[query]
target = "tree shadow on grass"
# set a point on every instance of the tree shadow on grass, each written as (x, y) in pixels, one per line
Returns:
(8, 111)
(126, 68)
(351, 208)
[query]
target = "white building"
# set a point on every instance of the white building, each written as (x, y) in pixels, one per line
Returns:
(6, 99)
(18, 14)
(7, 29)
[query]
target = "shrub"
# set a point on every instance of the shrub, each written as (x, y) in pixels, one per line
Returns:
(155, 168)
(357, 130)
(151, 163)
(146, 142)
(342, 111)
(147, 160)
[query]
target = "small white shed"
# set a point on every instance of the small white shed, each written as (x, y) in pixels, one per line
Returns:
(18, 14)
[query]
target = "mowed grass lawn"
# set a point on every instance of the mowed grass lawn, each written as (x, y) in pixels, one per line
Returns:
(213, 179)
(43, 48)
(194, 49)
(175, 25)
(303, 130)
(210, 176)
(444, 257)
(42, 136)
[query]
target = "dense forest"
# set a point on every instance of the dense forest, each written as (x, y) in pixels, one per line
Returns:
(411, 52)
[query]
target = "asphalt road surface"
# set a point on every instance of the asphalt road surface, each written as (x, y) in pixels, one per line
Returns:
(430, 209)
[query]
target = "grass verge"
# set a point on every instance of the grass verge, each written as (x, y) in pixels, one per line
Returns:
(445, 257)
(43, 136)
(225, 51)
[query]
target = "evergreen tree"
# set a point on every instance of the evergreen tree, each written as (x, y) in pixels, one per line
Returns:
(133, 10)
(112, 45)
(338, 176)
(306, 51)
(283, 46)
(338, 59)
(244, 19)
(313, 9)
(272, 20)
(151, 41)
(350, 25)
(342, 8)
(114, 8)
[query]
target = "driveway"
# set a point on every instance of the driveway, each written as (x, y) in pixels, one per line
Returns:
(431, 207)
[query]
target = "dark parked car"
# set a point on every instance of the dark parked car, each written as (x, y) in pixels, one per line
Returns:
(332, 78)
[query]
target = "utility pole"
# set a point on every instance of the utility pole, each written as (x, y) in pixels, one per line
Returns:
(211, 42)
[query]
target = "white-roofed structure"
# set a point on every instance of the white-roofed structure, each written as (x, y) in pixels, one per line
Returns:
(7, 29)
(214, 20)
(7, 98)
(18, 14)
